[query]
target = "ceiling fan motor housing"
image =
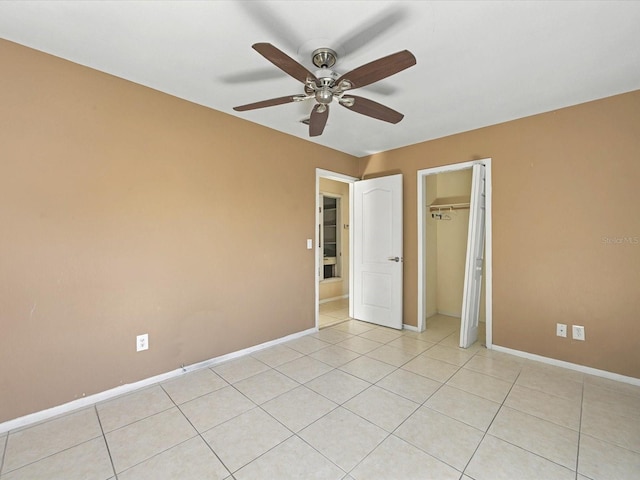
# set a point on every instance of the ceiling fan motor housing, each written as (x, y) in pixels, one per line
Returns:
(324, 86)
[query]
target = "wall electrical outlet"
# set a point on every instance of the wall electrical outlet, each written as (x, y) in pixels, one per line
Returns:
(142, 342)
(578, 332)
(561, 330)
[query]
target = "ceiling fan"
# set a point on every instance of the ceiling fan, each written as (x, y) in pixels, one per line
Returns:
(326, 85)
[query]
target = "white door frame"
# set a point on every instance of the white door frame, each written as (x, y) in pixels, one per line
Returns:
(338, 177)
(422, 272)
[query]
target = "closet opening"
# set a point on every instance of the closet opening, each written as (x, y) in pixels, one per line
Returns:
(455, 250)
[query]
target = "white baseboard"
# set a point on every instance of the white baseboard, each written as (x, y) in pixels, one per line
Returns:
(572, 366)
(449, 314)
(68, 407)
(409, 327)
(332, 299)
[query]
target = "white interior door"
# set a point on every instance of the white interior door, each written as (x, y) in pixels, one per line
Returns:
(473, 265)
(377, 236)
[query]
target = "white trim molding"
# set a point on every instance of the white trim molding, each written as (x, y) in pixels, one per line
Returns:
(83, 402)
(572, 366)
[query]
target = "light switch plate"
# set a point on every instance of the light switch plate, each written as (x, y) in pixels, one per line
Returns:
(309, 244)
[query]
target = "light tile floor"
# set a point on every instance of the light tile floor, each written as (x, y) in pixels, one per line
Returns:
(332, 313)
(353, 401)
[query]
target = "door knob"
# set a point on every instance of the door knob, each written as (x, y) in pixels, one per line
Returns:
(394, 259)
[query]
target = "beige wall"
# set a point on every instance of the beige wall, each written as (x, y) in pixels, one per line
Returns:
(338, 287)
(127, 211)
(564, 183)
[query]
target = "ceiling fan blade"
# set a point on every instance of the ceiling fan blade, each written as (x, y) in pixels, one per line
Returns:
(252, 76)
(376, 26)
(372, 109)
(378, 69)
(284, 62)
(383, 88)
(267, 103)
(318, 120)
(266, 17)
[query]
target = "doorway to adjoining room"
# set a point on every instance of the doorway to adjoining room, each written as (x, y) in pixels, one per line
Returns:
(333, 248)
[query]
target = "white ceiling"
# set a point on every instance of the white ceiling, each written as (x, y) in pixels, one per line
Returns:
(479, 63)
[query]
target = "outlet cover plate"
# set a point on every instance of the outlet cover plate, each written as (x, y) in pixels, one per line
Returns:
(561, 330)
(578, 332)
(142, 342)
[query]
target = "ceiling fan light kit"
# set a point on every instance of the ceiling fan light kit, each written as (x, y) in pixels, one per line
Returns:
(326, 85)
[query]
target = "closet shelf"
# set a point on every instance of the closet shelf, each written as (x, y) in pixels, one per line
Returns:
(450, 203)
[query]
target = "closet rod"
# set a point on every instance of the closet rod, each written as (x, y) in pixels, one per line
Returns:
(450, 203)
(434, 208)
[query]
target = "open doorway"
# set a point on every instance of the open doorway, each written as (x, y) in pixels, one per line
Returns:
(334, 246)
(445, 206)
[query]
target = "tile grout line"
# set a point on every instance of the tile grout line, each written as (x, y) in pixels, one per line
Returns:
(486, 432)
(420, 405)
(4, 452)
(372, 450)
(104, 438)
(293, 434)
(338, 405)
(598, 438)
(540, 417)
(50, 454)
(157, 413)
(341, 405)
(518, 446)
(412, 413)
(580, 429)
(442, 384)
(546, 392)
(318, 451)
(199, 434)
